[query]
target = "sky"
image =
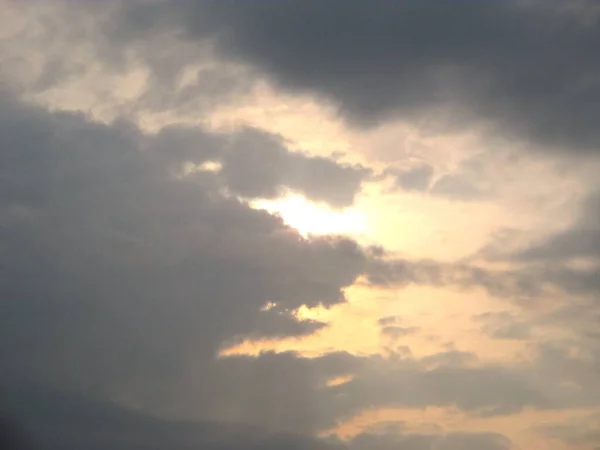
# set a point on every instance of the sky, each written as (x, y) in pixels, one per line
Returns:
(301, 224)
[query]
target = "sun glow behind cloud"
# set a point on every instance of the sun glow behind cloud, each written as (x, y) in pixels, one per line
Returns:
(311, 218)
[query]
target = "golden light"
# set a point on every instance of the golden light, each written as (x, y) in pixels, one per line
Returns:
(311, 218)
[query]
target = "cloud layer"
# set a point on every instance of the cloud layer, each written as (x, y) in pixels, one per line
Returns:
(146, 301)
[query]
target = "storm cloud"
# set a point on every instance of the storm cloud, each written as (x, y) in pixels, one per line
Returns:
(98, 235)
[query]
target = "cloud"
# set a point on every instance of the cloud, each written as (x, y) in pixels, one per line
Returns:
(456, 188)
(123, 280)
(454, 379)
(486, 60)
(398, 332)
(252, 163)
(55, 419)
(255, 165)
(396, 271)
(582, 239)
(583, 431)
(504, 325)
(466, 183)
(389, 320)
(126, 265)
(66, 54)
(568, 258)
(113, 270)
(450, 441)
(416, 178)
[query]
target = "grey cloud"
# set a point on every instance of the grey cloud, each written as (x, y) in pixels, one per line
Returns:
(585, 431)
(580, 240)
(549, 260)
(416, 178)
(528, 67)
(566, 367)
(458, 441)
(451, 358)
(398, 332)
(116, 276)
(389, 320)
(458, 185)
(501, 283)
(451, 379)
(52, 420)
(525, 285)
(504, 325)
(257, 164)
(277, 391)
(122, 281)
(577, 369)
(455, 187)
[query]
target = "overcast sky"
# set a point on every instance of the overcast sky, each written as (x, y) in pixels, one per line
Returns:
(300, 224)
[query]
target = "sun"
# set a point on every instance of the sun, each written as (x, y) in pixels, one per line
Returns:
(314, 219)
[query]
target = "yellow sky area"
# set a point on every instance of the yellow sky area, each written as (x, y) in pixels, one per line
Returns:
(308, 124)
(442, 320)
(519, 427)
(312, 125)
(338, 381)
(415, 225)
(421, 227)
(310, 218)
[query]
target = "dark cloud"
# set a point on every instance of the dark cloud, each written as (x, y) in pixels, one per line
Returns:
(277, 391)
(528, 67)
(12, 437)
(116, 275)
(255, 165)
(258, 164)
(415, 179)
(56, 420)
(452, 379)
